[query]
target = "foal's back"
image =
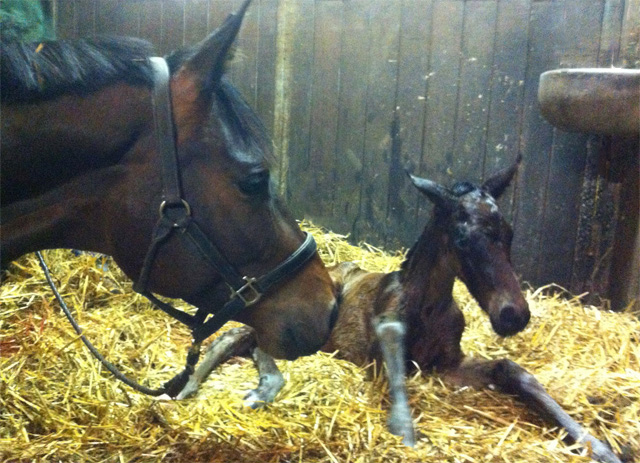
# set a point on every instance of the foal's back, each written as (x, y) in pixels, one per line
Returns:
(364, 296)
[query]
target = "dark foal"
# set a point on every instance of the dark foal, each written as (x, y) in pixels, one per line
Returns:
(410, 316)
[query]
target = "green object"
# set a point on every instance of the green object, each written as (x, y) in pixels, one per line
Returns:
(25, 20)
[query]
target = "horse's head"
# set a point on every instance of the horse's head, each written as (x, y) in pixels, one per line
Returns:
(223, 156)
(480, 240)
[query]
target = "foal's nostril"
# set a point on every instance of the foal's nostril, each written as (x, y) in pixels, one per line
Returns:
(508, 315)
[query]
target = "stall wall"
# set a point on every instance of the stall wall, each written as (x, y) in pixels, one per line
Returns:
(354, 92)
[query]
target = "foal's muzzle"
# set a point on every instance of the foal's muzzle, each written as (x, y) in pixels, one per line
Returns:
(511, 319)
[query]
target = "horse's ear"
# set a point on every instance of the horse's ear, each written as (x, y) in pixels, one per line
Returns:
(209, 56)
(437, 194)
(498, 182)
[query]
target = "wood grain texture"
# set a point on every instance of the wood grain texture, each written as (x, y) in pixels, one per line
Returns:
(444, 88)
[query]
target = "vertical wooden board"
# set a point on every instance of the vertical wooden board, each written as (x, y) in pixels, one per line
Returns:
(266, 62)
(172, 26)
(630, 39)
(384, 23)
(130, 14)
(599, 219)
(196, 13)
(579, 48)
(219, 10)
(413, 68)
(474, 93)
(441, 97)
(625, 267)
(581, 27)
(545, 32)
(585, 256)
(151, 22)
(66, 22)
(562, 207)
(299, 95)
(108, 17)
(507, 92)
(117, 18)
(352, 114)
(243, 69)
(324, 110)
(86, 17)
(609, 53)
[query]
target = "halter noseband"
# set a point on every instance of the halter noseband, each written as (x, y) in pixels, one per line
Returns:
(175, 215)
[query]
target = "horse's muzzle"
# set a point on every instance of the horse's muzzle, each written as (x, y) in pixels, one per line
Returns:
(300, 340)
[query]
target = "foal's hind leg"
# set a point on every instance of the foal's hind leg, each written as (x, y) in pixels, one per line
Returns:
(511, 378)
(271, 380)
(390, 333)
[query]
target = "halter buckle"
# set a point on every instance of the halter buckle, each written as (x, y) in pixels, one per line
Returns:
(252, 297)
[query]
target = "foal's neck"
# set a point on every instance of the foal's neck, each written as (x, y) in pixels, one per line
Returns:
(428, 273)
(434, 324)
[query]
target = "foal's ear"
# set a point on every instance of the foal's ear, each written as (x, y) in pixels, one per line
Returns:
(437, 194)
(209, 56)
(498, 182)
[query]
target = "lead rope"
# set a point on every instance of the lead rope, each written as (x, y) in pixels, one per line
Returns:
(171, 387)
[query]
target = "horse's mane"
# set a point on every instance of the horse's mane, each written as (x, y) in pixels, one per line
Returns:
(31, 72)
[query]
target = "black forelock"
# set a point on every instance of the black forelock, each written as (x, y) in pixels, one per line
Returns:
(43, 70)
(462, 188)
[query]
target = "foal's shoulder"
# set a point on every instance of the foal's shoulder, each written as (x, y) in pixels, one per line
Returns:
(344, 272)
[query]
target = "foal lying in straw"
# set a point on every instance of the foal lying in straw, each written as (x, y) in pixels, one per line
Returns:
(409, 317)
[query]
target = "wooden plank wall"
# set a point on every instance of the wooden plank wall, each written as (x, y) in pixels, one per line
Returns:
(446, 88)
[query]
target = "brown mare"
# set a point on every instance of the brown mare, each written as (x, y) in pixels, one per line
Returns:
(82, 168)
(409, 317)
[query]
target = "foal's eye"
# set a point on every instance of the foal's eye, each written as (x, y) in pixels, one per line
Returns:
(255, 184)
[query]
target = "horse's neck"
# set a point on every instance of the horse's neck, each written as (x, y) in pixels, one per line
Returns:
(51, 142)
(63, 162)
(428, 274)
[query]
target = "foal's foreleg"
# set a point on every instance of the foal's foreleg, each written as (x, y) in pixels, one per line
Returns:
(238, 342)
(511, 378)
(235, 342)
(271, 380)
(390, 333)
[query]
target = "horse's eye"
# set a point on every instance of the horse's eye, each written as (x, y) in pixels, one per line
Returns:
(255, 184)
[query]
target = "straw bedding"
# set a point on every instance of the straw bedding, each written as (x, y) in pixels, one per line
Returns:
(57, 403)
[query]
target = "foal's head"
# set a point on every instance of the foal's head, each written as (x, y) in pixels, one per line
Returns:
(478, 241)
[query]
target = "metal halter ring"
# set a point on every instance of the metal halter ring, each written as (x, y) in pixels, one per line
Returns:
(250, 298)
(185, 206)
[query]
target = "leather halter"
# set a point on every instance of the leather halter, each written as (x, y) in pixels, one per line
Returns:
(176, 219)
